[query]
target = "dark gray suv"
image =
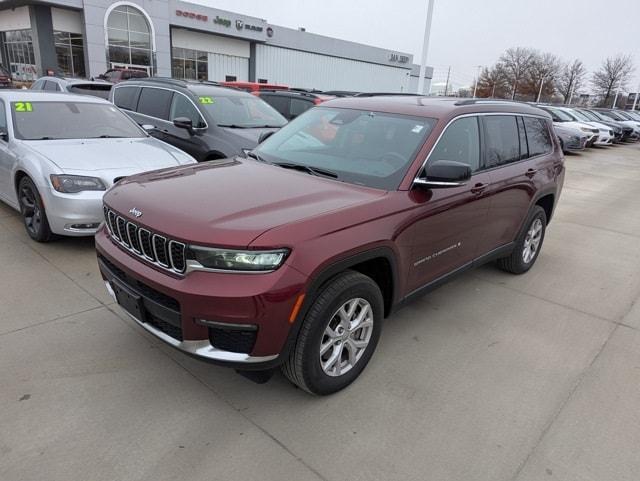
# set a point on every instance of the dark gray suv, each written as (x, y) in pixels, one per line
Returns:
(205, 120)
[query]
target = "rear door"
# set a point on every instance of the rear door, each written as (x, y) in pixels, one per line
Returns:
(451, 220)
(153, 109)
(517, 150)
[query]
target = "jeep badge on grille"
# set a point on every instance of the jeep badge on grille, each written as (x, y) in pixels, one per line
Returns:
(135, 212)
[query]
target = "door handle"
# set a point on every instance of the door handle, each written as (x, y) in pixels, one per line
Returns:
(479, 188)
(531, 172)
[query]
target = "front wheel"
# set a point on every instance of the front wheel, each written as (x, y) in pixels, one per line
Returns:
(528, 244)
(32, 210)
(338, 335)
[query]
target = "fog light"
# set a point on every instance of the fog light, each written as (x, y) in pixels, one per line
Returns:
(85, 226)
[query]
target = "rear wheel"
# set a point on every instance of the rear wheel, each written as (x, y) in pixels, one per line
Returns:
(338, 335)
(33, 212)
(528, 244)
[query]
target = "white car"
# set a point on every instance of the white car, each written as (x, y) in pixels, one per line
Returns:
(59, 153)
(561, 117)
(605, 133)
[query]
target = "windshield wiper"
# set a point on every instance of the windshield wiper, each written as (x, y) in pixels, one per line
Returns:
(106, 136)
(307, 169)
(255, 156)
(234, 126)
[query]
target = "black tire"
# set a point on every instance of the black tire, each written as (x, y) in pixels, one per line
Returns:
(33, 213)
(303, 367)
(515, 263)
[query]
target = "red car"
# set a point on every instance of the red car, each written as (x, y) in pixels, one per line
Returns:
(117, 75)
(293, 257)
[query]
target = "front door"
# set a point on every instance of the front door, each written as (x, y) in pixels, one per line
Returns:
(7, 161)
(194, 145)
(450, 222)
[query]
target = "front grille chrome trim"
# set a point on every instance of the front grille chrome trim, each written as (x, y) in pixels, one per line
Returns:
(124, 240)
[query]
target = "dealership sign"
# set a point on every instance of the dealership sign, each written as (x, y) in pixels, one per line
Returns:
(396, 57)
(195, 16)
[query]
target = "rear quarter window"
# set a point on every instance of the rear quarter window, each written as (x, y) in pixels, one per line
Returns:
(126, 97)
(538, 136)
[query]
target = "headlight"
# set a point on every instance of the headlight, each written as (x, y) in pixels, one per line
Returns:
(586, 129)
(238, 260)
(71, 184)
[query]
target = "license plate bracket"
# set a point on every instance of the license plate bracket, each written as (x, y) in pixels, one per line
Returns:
(129, 300)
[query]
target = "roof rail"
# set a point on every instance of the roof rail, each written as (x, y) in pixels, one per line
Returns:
(166, 80)
(488, 100)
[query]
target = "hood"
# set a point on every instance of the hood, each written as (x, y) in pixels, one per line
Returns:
(229, 203)
(249, 137)
(137, 155)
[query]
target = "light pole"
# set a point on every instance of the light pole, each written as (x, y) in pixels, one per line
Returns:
(475, 87)
(635, 99)
(540, 91)
(615, 99)
(573, 89)
(425, 48)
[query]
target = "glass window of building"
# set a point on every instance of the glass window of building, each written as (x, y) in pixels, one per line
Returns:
(189, 64)
(129, 38)
(70, 53)
(20, 56)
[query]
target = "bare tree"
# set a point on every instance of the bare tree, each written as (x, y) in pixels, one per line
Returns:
(571, 79)
(540, 77)
(516, 62)
(613, 74)
(493, 82)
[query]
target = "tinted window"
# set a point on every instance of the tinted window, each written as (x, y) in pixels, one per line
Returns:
(278, 102)
(460, 142)
(155, 103)
(361, 147)
(38, 85)
(52, 86)
(299, 106)
(71, 120)
(3, 117)
(501, 137)
(537, 136)
(241, 111)
(126, 97)
(181, 106)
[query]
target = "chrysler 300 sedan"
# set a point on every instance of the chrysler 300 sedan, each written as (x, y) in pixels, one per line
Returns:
(59, 153)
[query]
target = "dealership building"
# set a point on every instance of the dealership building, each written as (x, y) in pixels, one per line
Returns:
(172, 38)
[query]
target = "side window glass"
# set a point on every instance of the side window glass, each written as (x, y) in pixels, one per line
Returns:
(501, 138)
(278, 102)
(38, 85)
(3, 117)
(181, 106)
(538, 136)
(460, 142)
(155, 103)
(50, 86)
(299, 106)
(524, 150)
(126, 97)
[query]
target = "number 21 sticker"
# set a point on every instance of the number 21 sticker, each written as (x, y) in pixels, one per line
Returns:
(206, 100)
(23, 107)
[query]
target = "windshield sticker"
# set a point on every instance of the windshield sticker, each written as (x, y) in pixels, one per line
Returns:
(22, 107)
(206, 100)
(417, 129)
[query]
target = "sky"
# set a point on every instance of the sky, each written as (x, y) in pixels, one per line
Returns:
(465, 33)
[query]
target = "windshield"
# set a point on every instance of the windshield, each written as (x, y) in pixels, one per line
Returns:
(612, 115)
(373, 149)
(625, 115)
(634, 115)
(242, 112)
(580, 116)
(71, 120)
(589, 115)
(560, 116)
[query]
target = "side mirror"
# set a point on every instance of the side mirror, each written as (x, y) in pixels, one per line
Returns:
(264, 136)
(4, 135)
(444, 173)
(184, 123)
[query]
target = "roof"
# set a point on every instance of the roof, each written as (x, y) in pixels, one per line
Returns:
(24, 95)
(437, 107)
(199, 88)
(73, 81)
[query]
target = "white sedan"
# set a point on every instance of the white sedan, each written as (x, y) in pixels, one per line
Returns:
(59, 153)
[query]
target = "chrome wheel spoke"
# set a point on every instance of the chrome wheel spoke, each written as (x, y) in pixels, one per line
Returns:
(346, 337)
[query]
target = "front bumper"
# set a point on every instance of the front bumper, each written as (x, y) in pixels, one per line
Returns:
(196, 313)
(74, 214)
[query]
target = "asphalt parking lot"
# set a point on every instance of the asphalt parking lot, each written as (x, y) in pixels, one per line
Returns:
(491, 377)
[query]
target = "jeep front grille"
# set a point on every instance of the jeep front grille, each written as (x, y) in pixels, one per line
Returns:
(154, 248)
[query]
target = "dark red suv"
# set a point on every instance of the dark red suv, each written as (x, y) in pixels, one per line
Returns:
(294, 257)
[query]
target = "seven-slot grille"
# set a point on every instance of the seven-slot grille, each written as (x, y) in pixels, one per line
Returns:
(155, 248)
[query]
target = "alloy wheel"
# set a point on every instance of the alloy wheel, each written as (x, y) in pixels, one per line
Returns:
(31, 210)
(346, 337)
(532, 241)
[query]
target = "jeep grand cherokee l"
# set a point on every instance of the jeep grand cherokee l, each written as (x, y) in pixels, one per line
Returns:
(295, 256)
